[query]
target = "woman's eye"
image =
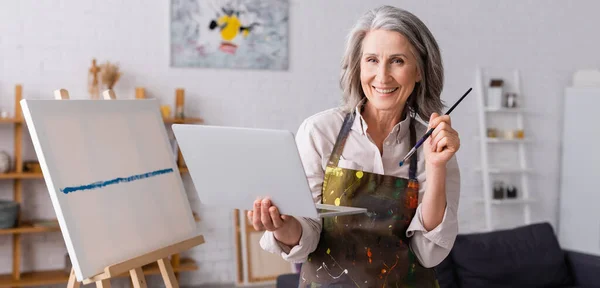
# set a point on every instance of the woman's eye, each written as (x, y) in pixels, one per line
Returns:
(397, 61)
(371, 60)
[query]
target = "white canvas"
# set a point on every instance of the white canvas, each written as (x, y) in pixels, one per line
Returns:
(112, 179)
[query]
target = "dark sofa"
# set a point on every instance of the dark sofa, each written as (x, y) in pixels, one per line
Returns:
(528, 256)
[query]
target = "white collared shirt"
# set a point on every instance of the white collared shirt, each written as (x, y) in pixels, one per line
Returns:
(315, 140)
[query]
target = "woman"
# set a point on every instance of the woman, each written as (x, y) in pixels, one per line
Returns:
(392, 73)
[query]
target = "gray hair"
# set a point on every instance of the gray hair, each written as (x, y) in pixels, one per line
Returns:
(425, 98)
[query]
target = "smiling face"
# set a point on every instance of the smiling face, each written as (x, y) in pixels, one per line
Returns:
(388, 70)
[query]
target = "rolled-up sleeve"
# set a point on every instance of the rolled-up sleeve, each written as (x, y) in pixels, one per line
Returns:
(311, 228)
(432, 247)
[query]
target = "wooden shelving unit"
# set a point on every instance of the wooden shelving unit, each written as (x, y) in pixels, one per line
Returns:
(41, 278)
(11, 120)
(25, 228)
(182, 121)
(21, 175)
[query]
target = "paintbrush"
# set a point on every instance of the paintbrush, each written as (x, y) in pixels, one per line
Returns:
(422, 140)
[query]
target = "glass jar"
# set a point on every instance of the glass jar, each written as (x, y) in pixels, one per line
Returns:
(498, 190)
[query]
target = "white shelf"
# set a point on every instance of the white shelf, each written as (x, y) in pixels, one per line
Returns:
(506, 170)
(504, 141)
(503, 110)
(493, 170)
(509, 201)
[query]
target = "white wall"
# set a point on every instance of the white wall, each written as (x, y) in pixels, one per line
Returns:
(49, 44)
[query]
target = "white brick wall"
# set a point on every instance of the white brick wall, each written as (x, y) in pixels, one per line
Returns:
(49, 44)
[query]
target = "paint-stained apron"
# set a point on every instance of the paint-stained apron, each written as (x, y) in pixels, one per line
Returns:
(369, 249)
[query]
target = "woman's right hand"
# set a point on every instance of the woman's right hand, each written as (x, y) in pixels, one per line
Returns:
(285, 228)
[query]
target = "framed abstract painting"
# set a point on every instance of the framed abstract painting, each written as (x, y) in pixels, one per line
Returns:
(248, 34)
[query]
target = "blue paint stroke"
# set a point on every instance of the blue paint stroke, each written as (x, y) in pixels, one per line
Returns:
(118, 180)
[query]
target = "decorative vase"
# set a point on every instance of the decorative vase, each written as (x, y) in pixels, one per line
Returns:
(4, 162)
(498, 190)
(511, 192)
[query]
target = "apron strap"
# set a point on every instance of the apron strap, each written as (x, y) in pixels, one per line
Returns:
(334, 159)
(412, 170)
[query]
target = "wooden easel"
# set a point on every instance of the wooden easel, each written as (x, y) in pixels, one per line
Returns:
(134, 266)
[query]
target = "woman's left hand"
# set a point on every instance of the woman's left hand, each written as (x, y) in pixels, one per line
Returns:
(443, 142)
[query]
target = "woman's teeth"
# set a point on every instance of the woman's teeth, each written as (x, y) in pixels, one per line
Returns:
(386, 91)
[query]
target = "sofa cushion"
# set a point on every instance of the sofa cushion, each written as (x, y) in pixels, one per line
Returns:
(445, 274)
(584, 269)
(288, 280)
(528, 256)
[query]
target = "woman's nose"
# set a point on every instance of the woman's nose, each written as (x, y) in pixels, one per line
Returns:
(383, 73)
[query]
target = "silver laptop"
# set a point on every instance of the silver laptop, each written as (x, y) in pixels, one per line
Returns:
(231, 167)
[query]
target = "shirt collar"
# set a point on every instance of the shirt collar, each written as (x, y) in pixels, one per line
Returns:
(360, 125)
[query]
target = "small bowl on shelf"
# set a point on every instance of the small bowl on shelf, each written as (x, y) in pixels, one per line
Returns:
(9, 212)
